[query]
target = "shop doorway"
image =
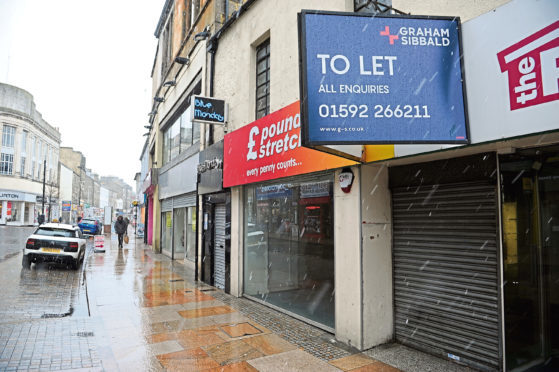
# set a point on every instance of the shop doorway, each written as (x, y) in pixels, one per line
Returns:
(530, 212)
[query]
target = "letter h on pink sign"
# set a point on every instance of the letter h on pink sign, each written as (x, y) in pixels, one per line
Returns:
(533, 68)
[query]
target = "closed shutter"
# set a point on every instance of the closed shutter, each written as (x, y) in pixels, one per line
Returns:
(219, 246)
(167, 205)
(185, 200)
(446, 271)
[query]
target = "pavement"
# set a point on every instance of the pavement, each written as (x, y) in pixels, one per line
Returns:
(131, 309)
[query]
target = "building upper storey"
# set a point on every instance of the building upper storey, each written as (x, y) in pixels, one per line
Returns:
(18, 102)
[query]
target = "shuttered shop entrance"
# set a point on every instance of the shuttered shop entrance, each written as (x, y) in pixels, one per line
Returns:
(446, 271)
(219, 246)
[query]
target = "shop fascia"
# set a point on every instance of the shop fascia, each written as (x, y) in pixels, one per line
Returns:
(17, 196)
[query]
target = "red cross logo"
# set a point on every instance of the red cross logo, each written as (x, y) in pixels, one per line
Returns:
(386, 32)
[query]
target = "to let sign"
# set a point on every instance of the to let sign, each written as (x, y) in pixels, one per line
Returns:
(209, 110)
(373, 79)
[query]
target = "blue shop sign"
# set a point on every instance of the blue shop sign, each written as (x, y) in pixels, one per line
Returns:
(381, 79)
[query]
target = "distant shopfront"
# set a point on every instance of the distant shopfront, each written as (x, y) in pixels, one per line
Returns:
(288, 216)
(17, 208)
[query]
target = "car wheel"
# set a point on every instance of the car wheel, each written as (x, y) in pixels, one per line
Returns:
(25, 262)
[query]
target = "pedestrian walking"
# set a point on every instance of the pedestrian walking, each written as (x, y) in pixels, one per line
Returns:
(120, 229)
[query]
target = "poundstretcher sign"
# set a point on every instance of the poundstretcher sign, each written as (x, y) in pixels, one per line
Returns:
(372, 79)
(270, 148)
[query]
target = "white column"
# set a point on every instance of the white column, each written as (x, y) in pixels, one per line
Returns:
(378, 311)
(22, 212)
(237, 235)
(4, 211)
(347, 262)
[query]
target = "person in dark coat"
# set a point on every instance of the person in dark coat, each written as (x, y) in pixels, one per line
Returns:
(120, 229)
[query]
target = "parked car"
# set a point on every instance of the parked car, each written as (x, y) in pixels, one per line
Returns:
(90, 226)
(55, 242)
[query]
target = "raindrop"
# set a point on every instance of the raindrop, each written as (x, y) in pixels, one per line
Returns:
(430, 214)
(547, 239)
(518, 176)
(548, 221)
(364, 28)
(250, 276)
(418, 90)
(483, 245)
(470, 345)
(406, 321)
(373, 190)
(466, 169)
(411, 205)
(424, 265)
(417, 173)
(434, 75)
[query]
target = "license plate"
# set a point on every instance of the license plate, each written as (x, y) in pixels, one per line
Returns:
(51, 250)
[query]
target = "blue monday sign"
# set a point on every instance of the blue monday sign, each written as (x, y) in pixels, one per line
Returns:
(209, 110)
(367, 80)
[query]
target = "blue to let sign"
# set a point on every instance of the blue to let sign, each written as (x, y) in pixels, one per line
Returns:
(367, 80)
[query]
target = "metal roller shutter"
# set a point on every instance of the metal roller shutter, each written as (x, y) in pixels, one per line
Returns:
(167, 205)
(446, 271)
(219, 246)
(186, 200)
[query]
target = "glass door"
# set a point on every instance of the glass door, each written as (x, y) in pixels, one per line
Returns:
(530, 212)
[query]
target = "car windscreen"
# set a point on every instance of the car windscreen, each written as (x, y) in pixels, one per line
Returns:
(62, 233)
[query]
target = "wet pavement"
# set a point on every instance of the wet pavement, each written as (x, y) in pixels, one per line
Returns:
(133, 310)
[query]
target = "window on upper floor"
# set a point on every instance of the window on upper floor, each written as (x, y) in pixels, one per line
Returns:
(194, 11)
(167, 46)
(263, 79)
(24, 142)
(6, 163)
(8, 136)
(182, 133)
(22, 166)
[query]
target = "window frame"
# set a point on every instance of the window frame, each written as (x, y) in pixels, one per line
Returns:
(264, 46)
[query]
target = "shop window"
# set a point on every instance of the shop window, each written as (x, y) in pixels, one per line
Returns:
(263, 79)
(191, 234)
(179, 233)
(6, 163)
(289, 247)
(167, 232)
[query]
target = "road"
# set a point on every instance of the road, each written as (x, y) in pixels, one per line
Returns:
(12, 240)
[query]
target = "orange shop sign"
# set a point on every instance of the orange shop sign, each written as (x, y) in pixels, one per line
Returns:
(270, 148)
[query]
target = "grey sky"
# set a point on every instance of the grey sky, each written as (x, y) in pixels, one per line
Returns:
(87, 65)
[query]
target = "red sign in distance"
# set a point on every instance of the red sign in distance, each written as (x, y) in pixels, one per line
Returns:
(270, 148)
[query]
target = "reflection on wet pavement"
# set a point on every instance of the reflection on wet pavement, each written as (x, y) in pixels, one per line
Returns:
(131, 309)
